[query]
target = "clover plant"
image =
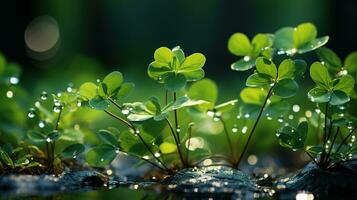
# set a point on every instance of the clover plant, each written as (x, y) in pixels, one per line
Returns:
(53, 132)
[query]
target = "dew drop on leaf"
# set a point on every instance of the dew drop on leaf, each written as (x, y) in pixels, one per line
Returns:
(235, 128)
(244, 129)
(308, 113)
(296, 108)
(14, 80)
(10, 94)
(247, 115)
(281, 119)
(31, 113)
(44, 96)
(41, 124)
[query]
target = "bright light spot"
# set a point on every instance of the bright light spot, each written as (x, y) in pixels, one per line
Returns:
(252, 159)
(109, 172)
(244, 129)
(246, 58)
(42, 34)
(14, 80)
(304, 196)
(207, 162)
(9, 94)
(296, 108)
(308, 114)
(195, 143)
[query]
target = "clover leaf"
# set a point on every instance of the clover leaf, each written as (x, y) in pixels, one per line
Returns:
(334, 63)
(73, 150)
(141, 111)
(207, 90)
(111, 88)
(101, 155)
(239, 45)
(174, 70)
(293, 138)
(282, 79)
(335, 91)
(301, 39)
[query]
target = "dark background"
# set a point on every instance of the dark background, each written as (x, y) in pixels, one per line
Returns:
(123, 34)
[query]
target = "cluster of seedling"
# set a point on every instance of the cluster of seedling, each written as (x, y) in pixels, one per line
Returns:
(154, 131)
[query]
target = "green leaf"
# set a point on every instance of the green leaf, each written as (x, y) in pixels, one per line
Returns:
(351, 62)
(23, 161)
(283, 40)
(111, 83)
(286, 69)
(138, 111)
(107, 137)
(158, 71)
(125, 89)
(54, 135)
(179, 54)
(345, 83)
(293, 138)
(277, 109)
(243, 64)
(265, 66)
(320, 75)
(35, 136)
(300, 67)
(193, 62)
(315, 44)
(304, 33)
(205, 89)
(101, 156)
(338, 97)
(314, 150)
(163, 55)
(239, 45)
(286, 88)
(183, 102)
(260, 42)
(319, 95)
(99, 103)
(253, 96)
(226, 106)
(73, 150)
(6, 158)
(258, 80)
(88, 90)
(194, 75)
(167, 148)
(329, 57)
(175, 82)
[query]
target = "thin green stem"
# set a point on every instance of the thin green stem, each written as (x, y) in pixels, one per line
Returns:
(178, 144)
(131, 126)
(228, 138)
(323, 155)
(166, 96)
(318, 128)
(332, 143)
(254, 126)
(115, 104)
(312, 158)
(189, 141)
(345, 139)
(176, 121)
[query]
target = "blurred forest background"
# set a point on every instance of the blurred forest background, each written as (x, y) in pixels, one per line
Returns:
(59, 42)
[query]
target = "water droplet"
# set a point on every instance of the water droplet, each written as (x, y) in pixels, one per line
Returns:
(216, 119)
(59, 94)
(117, 151)
(157, 154)
(296, 108)
(210, 113)
(41, 124)
(75, 156)
(14, 80)
(246, 58)
(102, 160)
(44, 96)
(304, 196)
(207, 162)
(247, 115)
(277, 133)
(160, 78)
(239, 116)
(178, 129)
(252, 159)
(31, 113)
(79, 103)
(37, 104)
(317, 110)
(244, 129)
(98, 80)
(10, 94)
(48, 140)
(291, 117)
(57, 109)
(268, 101)
(353, 138)
(308, 113)
(235, 128)
(146, 157)
(281, 119)
(125, 111)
